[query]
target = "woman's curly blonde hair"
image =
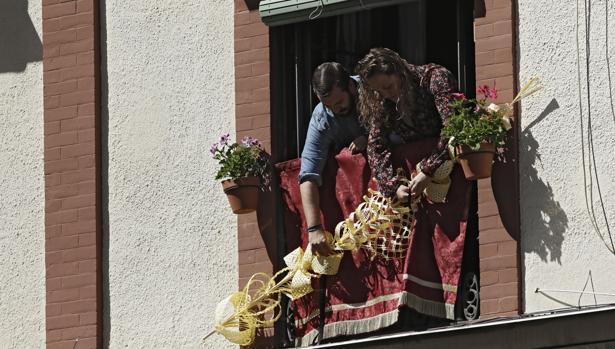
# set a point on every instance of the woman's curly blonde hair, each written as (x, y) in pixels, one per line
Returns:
(374, 109)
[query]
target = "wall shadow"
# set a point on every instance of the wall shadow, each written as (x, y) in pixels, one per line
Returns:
(19, 41)
(267, 224)
(548, 221)
(505, 186)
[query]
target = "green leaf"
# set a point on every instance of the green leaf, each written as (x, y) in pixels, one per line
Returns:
(465, 126)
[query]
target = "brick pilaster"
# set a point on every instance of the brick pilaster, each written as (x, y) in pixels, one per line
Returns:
(252, 118)
(498, 197)
(72, 178)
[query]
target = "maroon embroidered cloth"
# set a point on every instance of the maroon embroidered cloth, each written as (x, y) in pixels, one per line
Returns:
(366, 295)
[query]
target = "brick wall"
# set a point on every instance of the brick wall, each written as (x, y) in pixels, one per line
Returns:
(252, 119)
(72, 219)
(498, 197)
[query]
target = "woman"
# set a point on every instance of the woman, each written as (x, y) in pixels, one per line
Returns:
(402, 103)
(405, 107)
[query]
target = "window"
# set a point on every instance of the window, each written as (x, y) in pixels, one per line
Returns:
(421, 31)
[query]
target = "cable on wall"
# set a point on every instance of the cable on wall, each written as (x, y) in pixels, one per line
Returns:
(589, 166)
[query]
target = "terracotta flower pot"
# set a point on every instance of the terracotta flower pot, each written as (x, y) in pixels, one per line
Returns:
(242, 193)
(476, 164)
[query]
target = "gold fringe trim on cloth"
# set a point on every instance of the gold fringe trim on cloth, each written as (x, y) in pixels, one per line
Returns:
(338, 307)
(427, 307)
(359, 326)
(350, 327)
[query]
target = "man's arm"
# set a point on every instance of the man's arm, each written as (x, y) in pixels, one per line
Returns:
(313, 159)
(310, 199)
(311, 208)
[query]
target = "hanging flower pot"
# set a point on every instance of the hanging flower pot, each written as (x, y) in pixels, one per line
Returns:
(473, 121)
(476, 164)
(247, 166)
(242, 193)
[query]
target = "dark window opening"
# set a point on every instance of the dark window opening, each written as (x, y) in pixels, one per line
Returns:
(297, 49)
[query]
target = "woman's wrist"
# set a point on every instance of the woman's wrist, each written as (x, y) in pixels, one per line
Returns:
(426, 168)
(426, 174)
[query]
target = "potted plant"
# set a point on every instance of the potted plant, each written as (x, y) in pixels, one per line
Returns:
(244, 168)
(475, 130)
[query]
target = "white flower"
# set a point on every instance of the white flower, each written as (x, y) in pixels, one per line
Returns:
(493, 107)
(506, 123)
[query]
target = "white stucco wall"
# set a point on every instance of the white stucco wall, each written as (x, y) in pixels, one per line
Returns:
(171, 237)
(560, 246)
(22, 187)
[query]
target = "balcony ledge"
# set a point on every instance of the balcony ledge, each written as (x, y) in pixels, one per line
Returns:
(558, 328)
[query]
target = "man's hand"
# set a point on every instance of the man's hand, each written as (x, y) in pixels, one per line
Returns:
(358, 145)
(319, 243)
(418, 184)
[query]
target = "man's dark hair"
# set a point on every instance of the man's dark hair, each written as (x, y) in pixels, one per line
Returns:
(327, 76)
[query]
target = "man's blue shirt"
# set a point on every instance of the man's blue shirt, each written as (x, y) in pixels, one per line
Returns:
(326, 133)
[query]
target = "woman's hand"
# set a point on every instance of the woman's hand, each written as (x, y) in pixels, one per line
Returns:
(403, 193)
(358, 145)
(418, 184)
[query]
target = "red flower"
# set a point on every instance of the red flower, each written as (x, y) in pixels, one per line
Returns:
(488, 92)
(458, 96)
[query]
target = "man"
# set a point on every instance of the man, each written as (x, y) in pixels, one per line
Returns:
(333, 126)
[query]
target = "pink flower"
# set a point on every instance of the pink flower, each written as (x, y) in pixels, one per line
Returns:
(224, 139)
(458, 96)
(249, 141)
(213, 149)
(488, 92)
